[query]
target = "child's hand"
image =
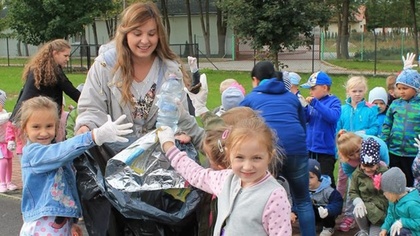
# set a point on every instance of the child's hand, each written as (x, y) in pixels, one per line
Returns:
(359, 208)
(322, 212)
(183, 138)
(166, 136)
(309, 99)
(382, 233)
(396, 228)
(417, 144)
(112, 131)
(11, 145)
(199, 100)
(192, 62)
(408, 62)
(293, 217)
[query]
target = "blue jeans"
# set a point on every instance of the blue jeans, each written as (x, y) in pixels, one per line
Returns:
(295, 170)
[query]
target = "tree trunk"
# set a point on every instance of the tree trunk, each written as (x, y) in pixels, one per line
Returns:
(190, 39)
(95, 37)
(205, 25)
(416, 36)
(221, 32)
(344, 44)
(338, 39)
(19, 51)
(166, 18)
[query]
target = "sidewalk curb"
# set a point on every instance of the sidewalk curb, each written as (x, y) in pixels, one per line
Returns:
(12, 196)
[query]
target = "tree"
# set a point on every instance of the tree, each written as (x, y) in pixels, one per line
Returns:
(221, 31)
(205, 24)
(38, 21)
(280, 25)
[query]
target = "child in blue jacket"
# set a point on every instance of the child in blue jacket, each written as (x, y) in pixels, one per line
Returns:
(322, 113)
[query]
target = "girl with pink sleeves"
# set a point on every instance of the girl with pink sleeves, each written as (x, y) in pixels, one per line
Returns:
(251, 151)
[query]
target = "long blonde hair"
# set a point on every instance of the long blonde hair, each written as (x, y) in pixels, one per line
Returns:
(43, 65)
(133, 17)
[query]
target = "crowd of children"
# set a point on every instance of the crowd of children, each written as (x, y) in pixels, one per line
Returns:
(271, 149)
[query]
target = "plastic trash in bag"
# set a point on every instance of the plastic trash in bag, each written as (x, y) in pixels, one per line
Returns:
(141, 184)
(142, 167)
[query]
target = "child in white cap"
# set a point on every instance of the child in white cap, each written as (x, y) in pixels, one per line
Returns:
(403, 217)
(5, 154)
(379, 97)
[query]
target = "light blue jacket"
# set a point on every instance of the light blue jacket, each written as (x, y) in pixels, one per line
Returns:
(49, 182)
(363, 118)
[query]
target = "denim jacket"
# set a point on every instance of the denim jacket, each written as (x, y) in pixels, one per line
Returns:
(49, 181)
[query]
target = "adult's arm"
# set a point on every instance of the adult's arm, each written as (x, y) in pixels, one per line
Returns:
(68, 88)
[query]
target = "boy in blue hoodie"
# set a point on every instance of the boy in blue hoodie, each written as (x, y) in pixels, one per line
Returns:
(322, 113)
(326, 201)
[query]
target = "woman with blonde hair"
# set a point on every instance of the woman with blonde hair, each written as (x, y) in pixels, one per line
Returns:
(126, 79)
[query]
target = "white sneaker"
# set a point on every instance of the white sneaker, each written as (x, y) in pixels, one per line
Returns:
(327, 231)
(362, 233)
(3, 187)
(11, 186)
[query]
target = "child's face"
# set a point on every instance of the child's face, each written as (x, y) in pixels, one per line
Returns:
(319, 91)
(405, 92)
(380, 104)
(313, 181)
(392, 197)
(249, 161)
(357, 93)
(355, 155)
(369, 170)
(41, 126)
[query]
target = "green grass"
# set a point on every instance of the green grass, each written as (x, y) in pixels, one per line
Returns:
(11, 83)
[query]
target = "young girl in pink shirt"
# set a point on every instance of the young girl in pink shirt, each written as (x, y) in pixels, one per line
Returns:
(251, 151)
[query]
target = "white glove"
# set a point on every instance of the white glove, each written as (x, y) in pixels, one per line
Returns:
(11, 145)
(359, 208)
(112, 131)
(417, 144)
(396, 228)
(302, 100)
(165, 134)
(408, 62)
(192, 62)
(323, 212)
(199, 100)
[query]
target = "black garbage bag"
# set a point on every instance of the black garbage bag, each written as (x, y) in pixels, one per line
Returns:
(111, 211)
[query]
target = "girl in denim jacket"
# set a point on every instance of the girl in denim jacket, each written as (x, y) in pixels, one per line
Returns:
(50, 202)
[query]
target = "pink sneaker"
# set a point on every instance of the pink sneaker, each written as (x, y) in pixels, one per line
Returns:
(11, 186)
(347, 223)
(3, 188)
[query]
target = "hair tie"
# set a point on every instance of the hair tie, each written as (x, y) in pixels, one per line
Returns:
(225, 134)
(220, 146)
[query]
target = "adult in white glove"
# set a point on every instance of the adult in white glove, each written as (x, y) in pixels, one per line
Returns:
(11, 145)
(199, 100)
(166, 138)
(112, 131)
(323, 212)
(409, 61)
(359, 208)
(302, 100)
(396, 228)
